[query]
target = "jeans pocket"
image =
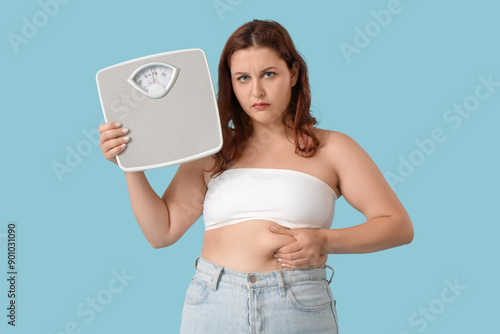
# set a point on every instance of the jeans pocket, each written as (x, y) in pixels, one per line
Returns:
(309, 296)
(197, 291)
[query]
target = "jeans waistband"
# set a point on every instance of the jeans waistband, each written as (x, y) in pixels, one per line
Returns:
(216, 273)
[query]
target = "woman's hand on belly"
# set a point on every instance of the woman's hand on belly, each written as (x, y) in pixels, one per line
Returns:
(305, 251)
(246, 246)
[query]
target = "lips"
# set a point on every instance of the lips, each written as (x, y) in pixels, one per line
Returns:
(260, 104)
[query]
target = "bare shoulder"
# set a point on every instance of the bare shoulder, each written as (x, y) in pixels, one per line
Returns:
(360, 180)
(333, 137)
(337, 144)
(346, 158)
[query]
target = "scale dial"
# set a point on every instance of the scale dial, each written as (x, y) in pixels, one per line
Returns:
(154, 80)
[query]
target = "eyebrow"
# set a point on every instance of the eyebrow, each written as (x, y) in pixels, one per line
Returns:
(264, 70)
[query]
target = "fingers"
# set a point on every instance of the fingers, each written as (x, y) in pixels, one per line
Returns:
(301, 261)
(290, 259)
(290, 248)
(304, 252)
(111, 154)
(108, 126)
(113, 143)
(296, 264)
(293, 256)
(113, 140)
(284, 231)
(111, 131)
(297, 261)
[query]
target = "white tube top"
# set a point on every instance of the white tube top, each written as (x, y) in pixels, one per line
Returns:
(288, 197)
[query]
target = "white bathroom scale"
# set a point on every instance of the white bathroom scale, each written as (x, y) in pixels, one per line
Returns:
(168, 103)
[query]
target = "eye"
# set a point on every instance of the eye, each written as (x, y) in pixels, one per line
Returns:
(269, 74)
(243, 78)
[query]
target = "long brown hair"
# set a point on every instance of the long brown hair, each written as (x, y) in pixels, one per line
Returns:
(269, 34)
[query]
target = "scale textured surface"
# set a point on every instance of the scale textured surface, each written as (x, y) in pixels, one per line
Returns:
(183, 125)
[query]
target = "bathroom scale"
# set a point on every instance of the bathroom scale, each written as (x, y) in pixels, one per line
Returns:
(168, 103)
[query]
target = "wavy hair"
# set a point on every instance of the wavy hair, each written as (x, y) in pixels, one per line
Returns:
(266, 33)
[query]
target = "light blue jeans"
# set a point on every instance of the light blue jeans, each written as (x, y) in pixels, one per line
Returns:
(221, 300)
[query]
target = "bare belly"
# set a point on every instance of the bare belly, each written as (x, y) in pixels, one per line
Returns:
(247, 246)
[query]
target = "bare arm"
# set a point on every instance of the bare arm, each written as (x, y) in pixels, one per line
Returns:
(150, 211)
(162, 220)
(365, 189)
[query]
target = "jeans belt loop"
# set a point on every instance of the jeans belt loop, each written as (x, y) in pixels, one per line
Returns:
(333, 272)
(196, 263)
(215, 278)
(281, 283)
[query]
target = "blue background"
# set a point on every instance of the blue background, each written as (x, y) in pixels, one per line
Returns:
(76, 230)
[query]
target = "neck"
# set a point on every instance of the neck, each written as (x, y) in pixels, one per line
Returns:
(270, 134)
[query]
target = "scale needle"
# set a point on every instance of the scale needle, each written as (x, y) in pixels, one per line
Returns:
(152, 74)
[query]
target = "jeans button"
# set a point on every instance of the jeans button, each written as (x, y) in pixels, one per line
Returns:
(252, 279)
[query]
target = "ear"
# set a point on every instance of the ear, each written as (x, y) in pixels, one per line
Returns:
(295, 73)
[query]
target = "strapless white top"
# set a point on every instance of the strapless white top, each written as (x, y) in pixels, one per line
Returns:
(288, 197)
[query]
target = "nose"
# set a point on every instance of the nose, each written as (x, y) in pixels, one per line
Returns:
(258, 89)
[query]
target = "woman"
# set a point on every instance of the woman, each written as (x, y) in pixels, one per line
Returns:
(267, 198)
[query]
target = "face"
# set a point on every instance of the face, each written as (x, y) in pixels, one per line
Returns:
(259, 75)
